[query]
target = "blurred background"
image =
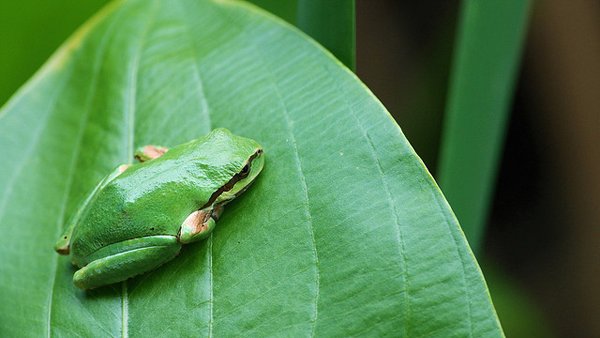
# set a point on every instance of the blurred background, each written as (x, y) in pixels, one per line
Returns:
(541, 248)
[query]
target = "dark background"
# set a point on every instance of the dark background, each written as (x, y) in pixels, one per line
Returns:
(542, 245)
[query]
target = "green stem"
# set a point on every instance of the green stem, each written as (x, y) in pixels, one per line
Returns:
(332, 23)
(489, 44)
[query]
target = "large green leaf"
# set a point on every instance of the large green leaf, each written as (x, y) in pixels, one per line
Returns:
(345, 232)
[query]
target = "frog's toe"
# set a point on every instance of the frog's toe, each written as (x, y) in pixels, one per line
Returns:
(123, 265)
(149, 152)
(62, 246)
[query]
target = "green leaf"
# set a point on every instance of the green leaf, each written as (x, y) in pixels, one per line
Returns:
(345, 232)
(488, 50)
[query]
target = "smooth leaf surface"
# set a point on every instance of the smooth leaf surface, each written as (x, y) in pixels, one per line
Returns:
(345, 232)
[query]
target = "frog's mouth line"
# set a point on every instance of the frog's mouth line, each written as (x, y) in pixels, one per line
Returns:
(231, 183)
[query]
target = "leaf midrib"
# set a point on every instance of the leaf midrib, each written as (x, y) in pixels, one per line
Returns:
(206, 108)
(298, 166)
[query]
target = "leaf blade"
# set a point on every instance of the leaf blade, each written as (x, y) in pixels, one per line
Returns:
(313, 246)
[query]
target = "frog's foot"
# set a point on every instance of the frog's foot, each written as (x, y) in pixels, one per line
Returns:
(121, 169)
(62, 246)
(198, 225)
(120, 261)
(149, 152)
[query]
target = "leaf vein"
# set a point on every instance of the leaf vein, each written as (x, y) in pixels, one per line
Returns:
(298, 165)
(130, 114)
(462, 261)
(307, 213)
(399, 237)
(203, 100)
(202, 97)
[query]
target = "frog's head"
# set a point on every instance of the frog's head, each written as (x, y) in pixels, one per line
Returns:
(244, 176)
(232, 162)
(239, 161)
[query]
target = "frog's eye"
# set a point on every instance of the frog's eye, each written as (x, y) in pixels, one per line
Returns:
(245, 171)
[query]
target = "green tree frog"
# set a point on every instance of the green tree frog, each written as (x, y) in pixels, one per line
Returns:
(140, 215)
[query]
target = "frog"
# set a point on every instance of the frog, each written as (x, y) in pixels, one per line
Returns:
(140, 215)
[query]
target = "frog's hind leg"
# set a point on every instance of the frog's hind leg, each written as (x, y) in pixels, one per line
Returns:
(63, 244)
(149, 152)
(122, 260)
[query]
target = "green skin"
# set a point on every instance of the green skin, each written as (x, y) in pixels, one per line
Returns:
(139, 216)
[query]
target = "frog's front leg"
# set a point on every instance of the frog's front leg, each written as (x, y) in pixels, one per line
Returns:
(199, 224)
(63, 244)
(149, 152)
